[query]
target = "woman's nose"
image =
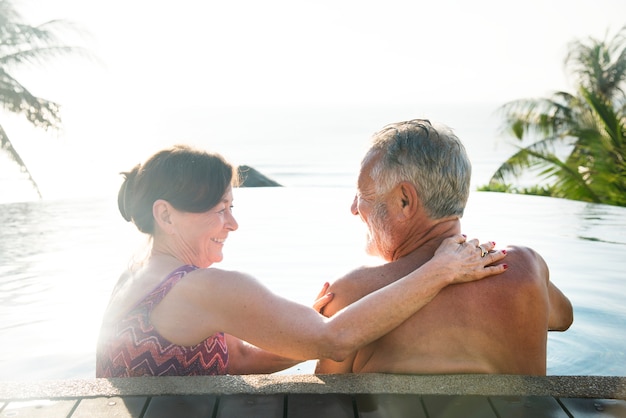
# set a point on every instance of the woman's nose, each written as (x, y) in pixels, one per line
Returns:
(232, 223)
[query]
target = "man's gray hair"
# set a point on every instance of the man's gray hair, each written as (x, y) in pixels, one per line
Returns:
(431, 158)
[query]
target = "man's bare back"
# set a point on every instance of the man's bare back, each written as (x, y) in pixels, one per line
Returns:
(412, 189)
(490, 326)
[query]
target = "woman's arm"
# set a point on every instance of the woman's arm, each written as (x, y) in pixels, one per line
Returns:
(214, 300)
(245, 358)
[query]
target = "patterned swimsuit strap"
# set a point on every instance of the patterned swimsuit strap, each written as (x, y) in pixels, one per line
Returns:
(159, 292)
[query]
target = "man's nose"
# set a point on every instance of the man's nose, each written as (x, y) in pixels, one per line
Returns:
(353, 208)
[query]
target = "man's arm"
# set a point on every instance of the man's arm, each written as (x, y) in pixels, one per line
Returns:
(245, 358)
(340, 291)
(561, 313)
(327, 366)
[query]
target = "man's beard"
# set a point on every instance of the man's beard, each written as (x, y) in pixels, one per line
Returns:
(379, 241)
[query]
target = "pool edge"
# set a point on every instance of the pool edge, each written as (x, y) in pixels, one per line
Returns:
(600, 387)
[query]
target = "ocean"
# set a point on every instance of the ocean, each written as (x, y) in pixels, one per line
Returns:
(60, 256)
(308, 146)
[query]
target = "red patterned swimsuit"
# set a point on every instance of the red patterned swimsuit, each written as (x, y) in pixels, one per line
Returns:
(132, 347)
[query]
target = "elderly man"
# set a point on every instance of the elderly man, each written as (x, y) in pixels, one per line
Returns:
(412, 190)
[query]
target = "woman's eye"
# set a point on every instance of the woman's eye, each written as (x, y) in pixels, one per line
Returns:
(222, 211)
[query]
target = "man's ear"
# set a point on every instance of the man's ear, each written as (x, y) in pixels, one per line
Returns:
(161, 211)
(409, 201)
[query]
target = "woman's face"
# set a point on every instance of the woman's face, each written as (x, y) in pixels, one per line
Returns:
(201, 236)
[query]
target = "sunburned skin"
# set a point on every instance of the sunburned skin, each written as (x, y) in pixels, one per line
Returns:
(491, 326)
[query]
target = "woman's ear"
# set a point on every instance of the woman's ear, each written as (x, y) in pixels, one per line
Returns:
(161, 211)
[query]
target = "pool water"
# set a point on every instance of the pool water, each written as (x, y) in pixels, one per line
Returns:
(60, 259)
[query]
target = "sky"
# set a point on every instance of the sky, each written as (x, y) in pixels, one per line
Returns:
(339, 51)
(156, 58)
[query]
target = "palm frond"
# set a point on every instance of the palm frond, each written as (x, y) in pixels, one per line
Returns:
(569, 180)
(599, 65)
(608, 119)
(25, 44)
(22, 44)
(7, 146)
(592, 122)
(524, 158)
(17, 99)
(538, 117)
(606, 155)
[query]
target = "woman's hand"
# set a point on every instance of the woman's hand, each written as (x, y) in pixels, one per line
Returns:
(323, 298)
(467, 260)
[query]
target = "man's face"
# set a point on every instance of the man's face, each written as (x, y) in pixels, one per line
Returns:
(372, 209)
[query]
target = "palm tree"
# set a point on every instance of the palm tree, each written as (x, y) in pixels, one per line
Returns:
(589, 125)
(22, 44)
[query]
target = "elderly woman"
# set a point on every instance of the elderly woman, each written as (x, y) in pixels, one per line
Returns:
(174, 314)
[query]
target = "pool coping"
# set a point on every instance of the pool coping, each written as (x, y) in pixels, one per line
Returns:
(599, 387)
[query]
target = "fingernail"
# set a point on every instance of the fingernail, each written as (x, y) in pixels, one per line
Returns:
(464, 236)
(493, 243)
(506, 266)
(503, 251)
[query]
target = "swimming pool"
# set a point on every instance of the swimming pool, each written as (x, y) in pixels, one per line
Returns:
(60, 259)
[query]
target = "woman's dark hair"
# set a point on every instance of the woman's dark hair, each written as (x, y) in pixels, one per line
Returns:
(191, 180)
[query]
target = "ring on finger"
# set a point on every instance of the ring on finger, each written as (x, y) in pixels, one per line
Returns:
(483, 252)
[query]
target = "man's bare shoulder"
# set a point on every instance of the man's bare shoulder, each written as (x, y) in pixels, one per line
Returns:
(522, 251)
(525, 262)
(353, 286)
(365, 280)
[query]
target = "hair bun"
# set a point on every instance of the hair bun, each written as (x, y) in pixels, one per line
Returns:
(124, 197)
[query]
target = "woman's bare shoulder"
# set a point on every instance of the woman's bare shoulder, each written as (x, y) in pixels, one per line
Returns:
(217, 283)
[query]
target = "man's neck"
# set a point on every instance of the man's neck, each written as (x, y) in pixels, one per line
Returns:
(424, 244)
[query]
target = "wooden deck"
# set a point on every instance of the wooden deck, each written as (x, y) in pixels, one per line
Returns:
(316, 406)
(352, 396)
